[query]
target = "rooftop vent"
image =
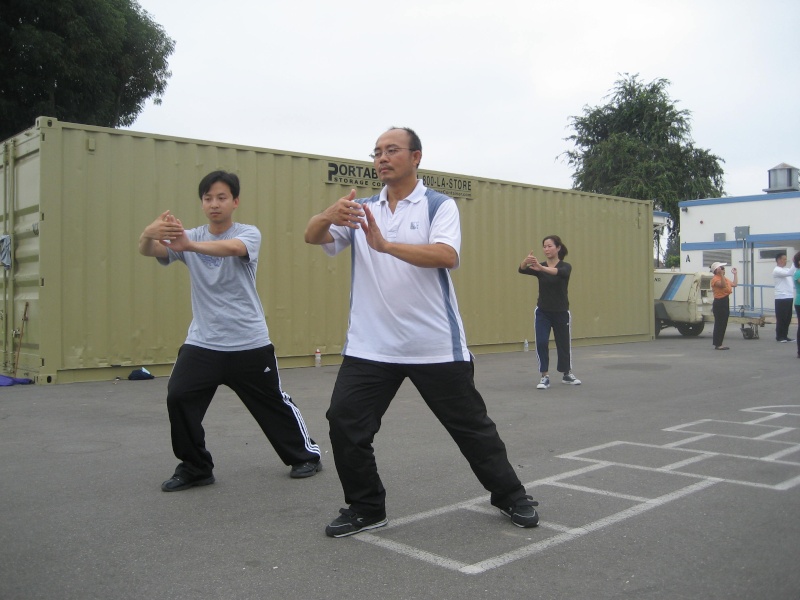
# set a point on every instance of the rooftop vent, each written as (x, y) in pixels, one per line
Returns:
(783, 178)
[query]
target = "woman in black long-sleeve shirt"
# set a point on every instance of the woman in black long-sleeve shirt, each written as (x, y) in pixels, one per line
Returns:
(552, 309)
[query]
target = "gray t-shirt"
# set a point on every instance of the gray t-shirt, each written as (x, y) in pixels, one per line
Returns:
(226, 310)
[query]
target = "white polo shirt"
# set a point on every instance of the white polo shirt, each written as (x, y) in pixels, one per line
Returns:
(400, 313)
(784, 287)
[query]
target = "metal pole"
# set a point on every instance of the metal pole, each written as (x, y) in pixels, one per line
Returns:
(21, 334)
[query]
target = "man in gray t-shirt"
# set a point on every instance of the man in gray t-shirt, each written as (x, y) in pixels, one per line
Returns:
(220, 348)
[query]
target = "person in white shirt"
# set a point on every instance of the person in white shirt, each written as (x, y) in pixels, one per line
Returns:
(796, 278)
(405, 323)
(784, 297)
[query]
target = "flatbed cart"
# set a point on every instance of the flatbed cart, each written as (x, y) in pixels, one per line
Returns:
(749, 321)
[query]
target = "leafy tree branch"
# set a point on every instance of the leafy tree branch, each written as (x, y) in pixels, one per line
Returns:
(639, 145)
(87, 61)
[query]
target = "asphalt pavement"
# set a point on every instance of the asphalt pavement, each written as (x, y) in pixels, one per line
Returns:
(672, 472)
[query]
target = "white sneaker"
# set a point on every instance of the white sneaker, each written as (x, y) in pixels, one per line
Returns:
(570, 379)
(544, 383)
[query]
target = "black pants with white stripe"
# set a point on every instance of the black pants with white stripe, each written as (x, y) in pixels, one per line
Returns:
(560, 323)
(253, 376)
(362, 394)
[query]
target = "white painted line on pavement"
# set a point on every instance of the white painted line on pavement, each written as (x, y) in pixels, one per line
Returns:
(597, 465)
(504, 559)
(689, 440)
(468, 504)
(788, 484)
(565, 533)
(582, 488)
(766, 418)
(774, 433)
(428, 557)
(770, 409)
(490, 510)
(781, 453)
(592, 449)
(691, 424)
(774, 430)
(688, 461)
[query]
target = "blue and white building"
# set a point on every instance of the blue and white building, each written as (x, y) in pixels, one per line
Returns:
(746, 232)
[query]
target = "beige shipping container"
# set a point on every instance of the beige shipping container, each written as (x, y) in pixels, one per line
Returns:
(80, 304)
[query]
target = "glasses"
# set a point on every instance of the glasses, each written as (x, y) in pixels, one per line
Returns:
(389, 152)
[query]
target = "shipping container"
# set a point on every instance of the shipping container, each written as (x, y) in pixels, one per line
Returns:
(81, 304)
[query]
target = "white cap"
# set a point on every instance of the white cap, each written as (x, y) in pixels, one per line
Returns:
(717, 265)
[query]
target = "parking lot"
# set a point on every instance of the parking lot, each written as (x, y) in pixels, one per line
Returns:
(672, 472)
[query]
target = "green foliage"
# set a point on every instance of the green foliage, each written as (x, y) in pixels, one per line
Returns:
(639, 145)
(87, 61)
(673, 255)
(673, 261)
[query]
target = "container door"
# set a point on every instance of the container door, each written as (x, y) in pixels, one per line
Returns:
(19, 255)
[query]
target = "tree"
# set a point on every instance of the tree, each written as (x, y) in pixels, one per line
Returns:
(672, 255)
(87, 61)
(639, 145)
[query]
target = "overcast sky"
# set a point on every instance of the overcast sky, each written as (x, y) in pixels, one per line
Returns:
(489, 85)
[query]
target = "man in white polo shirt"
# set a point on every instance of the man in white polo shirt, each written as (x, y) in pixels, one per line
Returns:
(404, 322)
(784, 297)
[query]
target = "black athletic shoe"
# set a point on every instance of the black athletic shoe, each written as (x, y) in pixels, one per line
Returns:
(178, 483)
(306, 469)
(521, 511)
(349, 522)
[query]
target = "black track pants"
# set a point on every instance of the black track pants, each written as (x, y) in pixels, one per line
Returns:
(253, 376)
(721, 309)
(362, 394)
